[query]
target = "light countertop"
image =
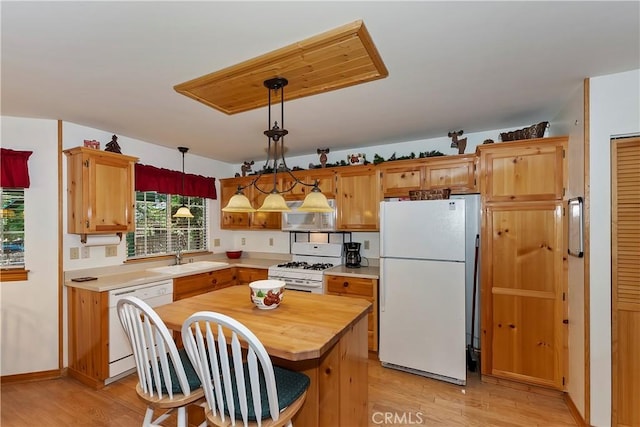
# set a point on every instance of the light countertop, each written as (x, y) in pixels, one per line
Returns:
(371, 272)
(117, 277)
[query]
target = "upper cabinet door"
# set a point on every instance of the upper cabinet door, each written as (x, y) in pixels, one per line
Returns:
(400, 177)
(454, 172)
(101, 191)
(527, 170)
(325, 178)
(358, 198)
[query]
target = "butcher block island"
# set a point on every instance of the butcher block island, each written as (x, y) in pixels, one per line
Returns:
(324, 336)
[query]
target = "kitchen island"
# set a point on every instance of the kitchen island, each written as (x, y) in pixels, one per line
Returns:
(323, 336)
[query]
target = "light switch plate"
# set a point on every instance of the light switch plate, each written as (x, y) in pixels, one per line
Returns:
(85, 252)
(216, 242)
(110, 250)
(366, 244)
(74, 253)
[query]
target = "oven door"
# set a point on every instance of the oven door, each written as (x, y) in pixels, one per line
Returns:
(303, 285)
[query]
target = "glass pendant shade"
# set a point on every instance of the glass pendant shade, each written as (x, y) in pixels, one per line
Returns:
(274, 202)
(183, 212)
(238, 203)
(315, 202)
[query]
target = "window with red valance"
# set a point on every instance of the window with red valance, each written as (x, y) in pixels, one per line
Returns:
(166, 181)
(14, 168)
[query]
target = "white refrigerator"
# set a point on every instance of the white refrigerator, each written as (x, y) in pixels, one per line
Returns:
(422, 286)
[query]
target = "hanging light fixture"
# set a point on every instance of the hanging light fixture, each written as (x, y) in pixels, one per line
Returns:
(315, 201)
(183, 211)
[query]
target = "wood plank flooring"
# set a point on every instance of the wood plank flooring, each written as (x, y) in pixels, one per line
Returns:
(395, 399)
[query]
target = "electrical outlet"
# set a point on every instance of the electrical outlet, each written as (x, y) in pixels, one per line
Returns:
(85, 252)
(111, 250)
(270, 241)
(216, 242)
(366, 244)
(243, 241)
(74, 253)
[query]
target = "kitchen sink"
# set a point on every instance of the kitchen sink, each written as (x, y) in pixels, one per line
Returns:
(190, 267)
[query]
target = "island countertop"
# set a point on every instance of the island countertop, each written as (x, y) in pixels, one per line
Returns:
(304, 326)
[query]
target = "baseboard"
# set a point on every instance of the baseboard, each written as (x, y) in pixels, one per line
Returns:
(573, 409)
(522, 386)
(32, 376)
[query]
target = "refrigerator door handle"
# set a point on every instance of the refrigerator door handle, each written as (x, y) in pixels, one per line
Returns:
(381, 221)
(383, 287)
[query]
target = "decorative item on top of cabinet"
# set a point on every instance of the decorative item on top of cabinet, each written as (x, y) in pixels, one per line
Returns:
(100, 191)
(358, 287)
(112, 146)
(196, 284)
(460, 144)
(357, 198)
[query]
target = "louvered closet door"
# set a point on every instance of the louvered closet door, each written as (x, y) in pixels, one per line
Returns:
(625, 182)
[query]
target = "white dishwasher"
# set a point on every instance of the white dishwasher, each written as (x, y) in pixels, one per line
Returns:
(121, 361)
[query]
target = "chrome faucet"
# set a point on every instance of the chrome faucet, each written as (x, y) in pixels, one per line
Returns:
(179, 257)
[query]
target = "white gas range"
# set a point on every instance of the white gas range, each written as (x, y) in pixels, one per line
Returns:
(305, 270)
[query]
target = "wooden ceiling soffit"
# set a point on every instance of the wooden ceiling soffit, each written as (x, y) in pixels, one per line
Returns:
(342, 57)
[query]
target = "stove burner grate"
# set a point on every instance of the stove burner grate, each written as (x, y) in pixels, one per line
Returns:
(306, 265)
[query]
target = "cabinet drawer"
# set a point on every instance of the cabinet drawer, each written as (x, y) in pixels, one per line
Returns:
(196, 284)
(247, 275)
(350, 286)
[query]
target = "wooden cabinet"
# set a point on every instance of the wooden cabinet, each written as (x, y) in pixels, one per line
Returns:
(196, 284)
(454, 172)
(358, 198)
(523, 271)
(264, 220)
(245, 221)
(100, 191)
(246, 275)
(358, 287)
(232, 220)
(523, 171)
(88, 328)
(325, 178)
(401, 176)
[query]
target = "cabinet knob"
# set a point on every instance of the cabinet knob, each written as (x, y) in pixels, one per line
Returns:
(214, 281)
(345, 284)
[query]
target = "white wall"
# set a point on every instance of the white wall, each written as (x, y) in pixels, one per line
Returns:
(73, 135)
(614, 103)
(570, 121)
(29, 329)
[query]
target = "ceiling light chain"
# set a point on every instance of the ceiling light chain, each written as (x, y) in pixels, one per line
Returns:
(315, 201)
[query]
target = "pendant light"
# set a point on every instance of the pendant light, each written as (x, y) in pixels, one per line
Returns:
(315, 201)
(183, 211)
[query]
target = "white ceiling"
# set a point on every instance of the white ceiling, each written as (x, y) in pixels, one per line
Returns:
(452, 65)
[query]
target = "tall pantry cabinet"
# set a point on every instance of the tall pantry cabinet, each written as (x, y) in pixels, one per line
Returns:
(523, 270)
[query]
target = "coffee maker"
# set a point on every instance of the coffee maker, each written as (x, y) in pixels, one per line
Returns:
(352, 255)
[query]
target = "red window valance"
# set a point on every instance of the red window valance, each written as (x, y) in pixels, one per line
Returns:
(151, 178)
(14, 168)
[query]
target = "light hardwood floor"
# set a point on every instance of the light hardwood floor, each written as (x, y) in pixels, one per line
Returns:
(395, 399)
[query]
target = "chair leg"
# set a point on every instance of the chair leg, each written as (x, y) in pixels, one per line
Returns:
(148, 418)
(182, 417)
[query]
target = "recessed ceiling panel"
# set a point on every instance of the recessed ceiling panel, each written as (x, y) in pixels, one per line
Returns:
(338, 58)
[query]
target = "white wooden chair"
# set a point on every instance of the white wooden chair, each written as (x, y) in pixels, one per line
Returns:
(167, 380)
(247, 390)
